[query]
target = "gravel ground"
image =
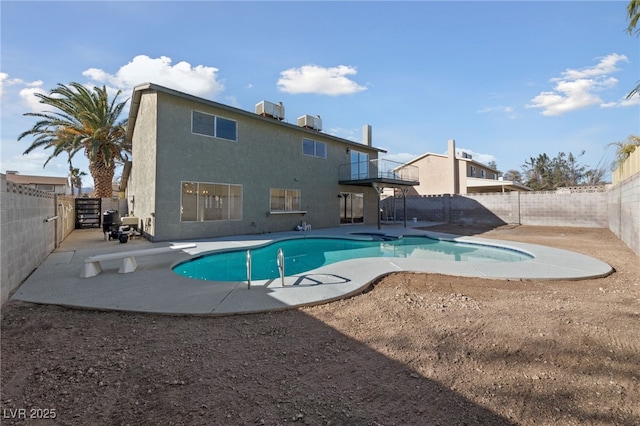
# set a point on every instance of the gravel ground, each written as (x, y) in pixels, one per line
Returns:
(414, 349)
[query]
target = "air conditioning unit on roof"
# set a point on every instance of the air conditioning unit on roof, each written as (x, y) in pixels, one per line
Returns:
(310, 122)
(268, 109)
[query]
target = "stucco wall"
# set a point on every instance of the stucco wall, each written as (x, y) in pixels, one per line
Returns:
(266, 155)
(434, 175)
(143, 176)
(624, 211)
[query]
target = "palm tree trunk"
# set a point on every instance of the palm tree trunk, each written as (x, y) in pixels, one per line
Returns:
(102, 177)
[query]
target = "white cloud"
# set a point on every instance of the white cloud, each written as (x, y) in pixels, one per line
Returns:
(478, 156)
(31, 164)
(26, 92)
(349, 134)
(510, 112)
(623, 102)
(30, 100)
(314, 79)
(198, 80)
(401, 157)
(5, 81)
(575, 89)
(607, 65)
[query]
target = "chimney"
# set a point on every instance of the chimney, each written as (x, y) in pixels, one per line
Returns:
(366, 135)
(454, 179)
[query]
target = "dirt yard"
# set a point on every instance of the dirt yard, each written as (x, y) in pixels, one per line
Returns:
(415, 349)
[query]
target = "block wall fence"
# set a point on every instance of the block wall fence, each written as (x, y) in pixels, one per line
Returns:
(624, 211)
(26, 238)
(614, 207)
(580, 207)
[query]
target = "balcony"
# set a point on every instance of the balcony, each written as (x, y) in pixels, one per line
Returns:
(380, 171)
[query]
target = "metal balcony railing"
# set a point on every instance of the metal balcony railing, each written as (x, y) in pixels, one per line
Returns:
(379, 170)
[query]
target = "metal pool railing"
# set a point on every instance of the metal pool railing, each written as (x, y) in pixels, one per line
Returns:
(249, 269)
(279, 260)
(281, 265)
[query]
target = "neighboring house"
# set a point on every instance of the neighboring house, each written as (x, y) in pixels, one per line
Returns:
(203, 169)
(55, 185)
(457, 173)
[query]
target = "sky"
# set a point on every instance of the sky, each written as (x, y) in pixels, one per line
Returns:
(508, 80)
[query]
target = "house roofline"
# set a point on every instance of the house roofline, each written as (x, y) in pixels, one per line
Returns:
(145, 87)
(427, 154)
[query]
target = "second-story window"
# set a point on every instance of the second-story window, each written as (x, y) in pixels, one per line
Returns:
(483, 174)
(472, 171)
(214, 126)
(314, 148)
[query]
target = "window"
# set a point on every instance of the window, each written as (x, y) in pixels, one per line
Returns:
(495, 176)
(483, 174)
(359, 165)
(45, 187)
(214, 126)
(314, 148)
(472, 171)
(285, 200)
(210, 201)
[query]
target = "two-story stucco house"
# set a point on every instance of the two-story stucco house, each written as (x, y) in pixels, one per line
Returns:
(203, 169)
(457, 173)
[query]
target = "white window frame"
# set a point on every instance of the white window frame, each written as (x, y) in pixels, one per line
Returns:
(289, 196)
(204, 201)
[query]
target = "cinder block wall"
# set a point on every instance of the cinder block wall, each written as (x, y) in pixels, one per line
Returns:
(624, 211)
(25, 238)
(585, 207)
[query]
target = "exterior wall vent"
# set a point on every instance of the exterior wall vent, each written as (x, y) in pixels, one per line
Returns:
(269, 109)
(310, 122)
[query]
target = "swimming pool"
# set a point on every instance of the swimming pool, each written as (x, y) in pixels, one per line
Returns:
(308, 253)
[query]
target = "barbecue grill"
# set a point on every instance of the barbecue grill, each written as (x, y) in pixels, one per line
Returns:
(112, 226)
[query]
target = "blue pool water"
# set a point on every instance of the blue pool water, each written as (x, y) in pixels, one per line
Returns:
(305, 254)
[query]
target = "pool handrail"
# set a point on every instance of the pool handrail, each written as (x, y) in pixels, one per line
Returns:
(248, 269)
(280, 261)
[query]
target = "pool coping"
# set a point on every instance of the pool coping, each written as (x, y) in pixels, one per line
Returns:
(154, 288)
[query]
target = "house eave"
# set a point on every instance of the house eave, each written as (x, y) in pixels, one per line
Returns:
(146, 87)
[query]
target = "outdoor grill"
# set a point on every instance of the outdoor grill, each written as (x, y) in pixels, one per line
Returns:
(112, 226)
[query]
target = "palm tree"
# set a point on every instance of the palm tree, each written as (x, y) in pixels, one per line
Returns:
(76, 179)
(84, 120)
(624, 150)
(633, 14)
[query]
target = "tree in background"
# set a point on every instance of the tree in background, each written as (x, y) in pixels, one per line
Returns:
(76, 179)
(494, 166)
(543, 173)
(624, 150)
(513, 175)
(85, 120)
(537, 173)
